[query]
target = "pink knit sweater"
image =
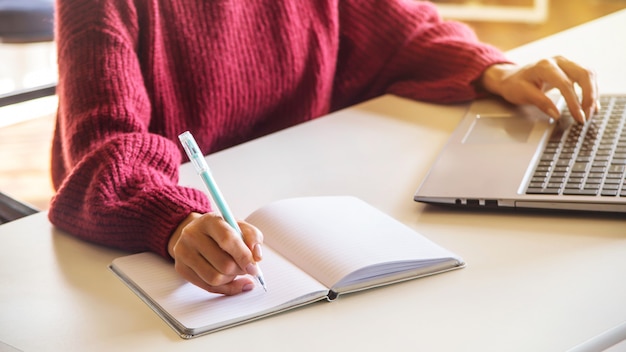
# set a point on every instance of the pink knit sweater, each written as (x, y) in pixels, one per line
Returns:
(133, 74)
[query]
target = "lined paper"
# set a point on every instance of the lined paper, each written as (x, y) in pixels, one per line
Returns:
(189, 307)
(350, 233)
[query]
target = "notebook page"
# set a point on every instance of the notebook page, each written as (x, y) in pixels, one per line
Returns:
(192, 310)
(331, 237)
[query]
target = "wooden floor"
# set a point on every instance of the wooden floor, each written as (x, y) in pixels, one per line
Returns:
(24, 152)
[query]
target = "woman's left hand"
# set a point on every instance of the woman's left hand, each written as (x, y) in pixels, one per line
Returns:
(529, 84)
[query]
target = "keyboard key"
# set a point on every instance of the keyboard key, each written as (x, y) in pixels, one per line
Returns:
(586, 159)
(579, 167)
(580, 192)
(573, 185)
(542, 191)
(611, 186)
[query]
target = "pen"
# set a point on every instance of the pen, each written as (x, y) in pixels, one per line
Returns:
(199, 163)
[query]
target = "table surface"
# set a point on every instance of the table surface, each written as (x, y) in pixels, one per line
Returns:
(534, 281)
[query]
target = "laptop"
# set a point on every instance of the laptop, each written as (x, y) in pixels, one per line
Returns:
(505, 156)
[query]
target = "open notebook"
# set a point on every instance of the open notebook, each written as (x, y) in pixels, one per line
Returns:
(315, 248)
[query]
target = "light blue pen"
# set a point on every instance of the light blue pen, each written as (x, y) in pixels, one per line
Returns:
(198, 161)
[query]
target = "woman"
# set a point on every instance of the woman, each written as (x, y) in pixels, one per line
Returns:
(135, 74)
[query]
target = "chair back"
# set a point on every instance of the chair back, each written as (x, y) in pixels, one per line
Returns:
(26, 21)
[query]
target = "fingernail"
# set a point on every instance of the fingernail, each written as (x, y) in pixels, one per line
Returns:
(252, 269)
(257, 252)
(247, 287)
(553, 114)
(583, 116)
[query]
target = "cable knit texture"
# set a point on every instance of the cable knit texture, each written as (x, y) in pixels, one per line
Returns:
(133, 74)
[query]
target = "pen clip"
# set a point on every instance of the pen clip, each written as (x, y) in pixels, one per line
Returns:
(193, 151)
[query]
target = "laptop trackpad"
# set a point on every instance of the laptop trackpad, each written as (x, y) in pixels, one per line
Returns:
(494, 128)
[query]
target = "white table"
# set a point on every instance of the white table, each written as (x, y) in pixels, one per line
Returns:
(534, 282)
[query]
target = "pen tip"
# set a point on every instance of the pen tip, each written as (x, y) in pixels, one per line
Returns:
(262, 282)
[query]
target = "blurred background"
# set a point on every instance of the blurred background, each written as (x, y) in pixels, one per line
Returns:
(28, 65)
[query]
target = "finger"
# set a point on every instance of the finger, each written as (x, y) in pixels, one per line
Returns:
(537, 97)
(212, 255)
(239, 285)
(527, 85)
(194, 267)
(553, 76)
(232, 287)
(230, 241)
(586, 81)
(253, 237)
(197, 249)
(208, 276)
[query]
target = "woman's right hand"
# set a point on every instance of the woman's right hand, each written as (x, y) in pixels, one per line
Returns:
(209, 253)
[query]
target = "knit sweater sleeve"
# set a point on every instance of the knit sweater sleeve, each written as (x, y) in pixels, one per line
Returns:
(117, 183)
(405, 48)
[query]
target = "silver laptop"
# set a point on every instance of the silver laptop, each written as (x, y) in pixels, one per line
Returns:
(517, 157)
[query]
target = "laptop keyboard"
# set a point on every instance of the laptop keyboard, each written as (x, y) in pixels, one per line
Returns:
(585, 160)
